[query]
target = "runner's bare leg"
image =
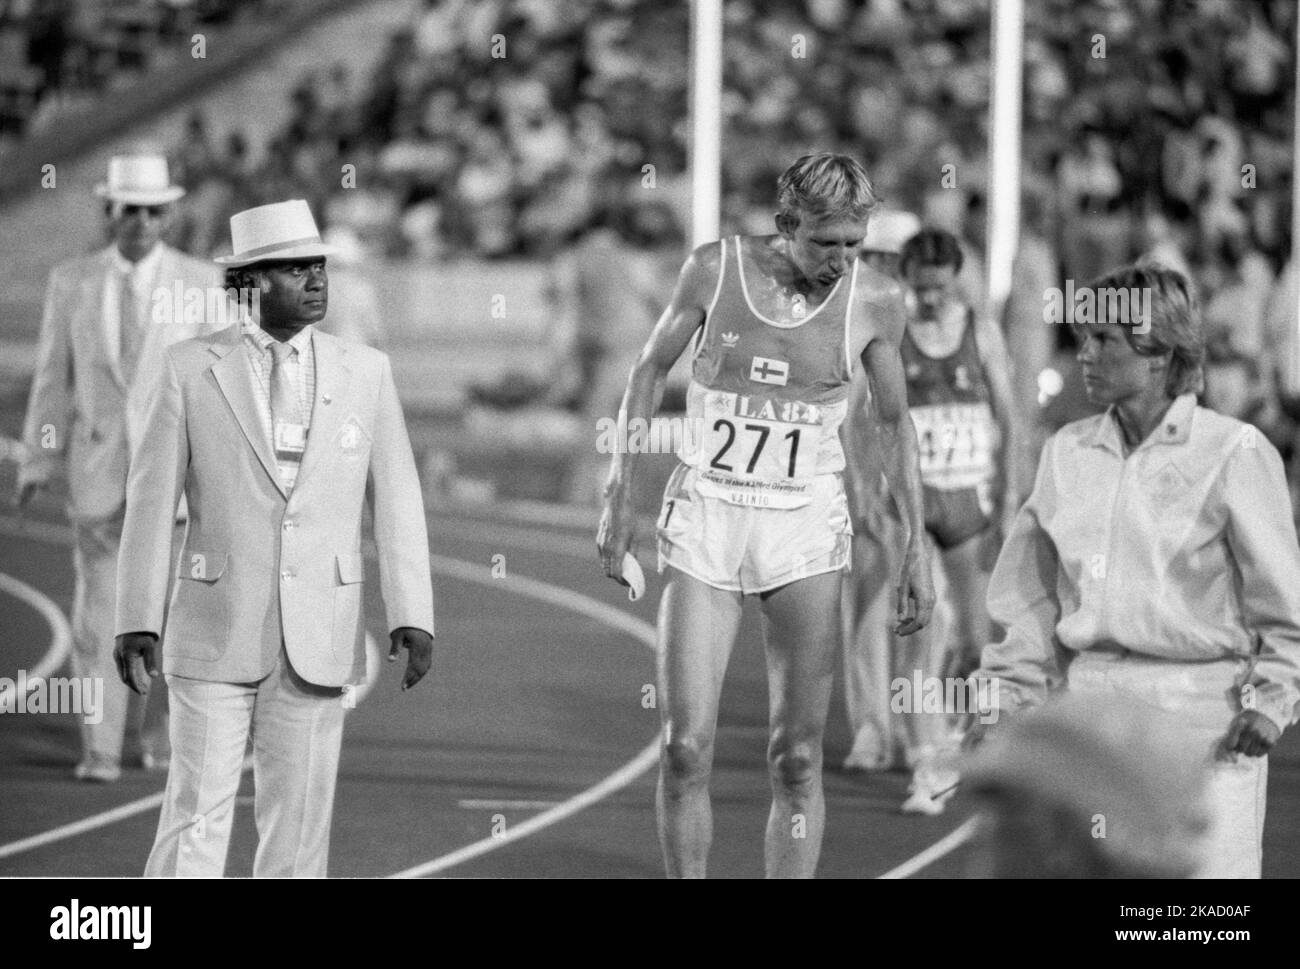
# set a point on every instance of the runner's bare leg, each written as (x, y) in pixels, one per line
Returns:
(697, 628)
(801, 629)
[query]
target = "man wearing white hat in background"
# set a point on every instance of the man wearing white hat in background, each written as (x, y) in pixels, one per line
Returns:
(278, 437)
(100, 351)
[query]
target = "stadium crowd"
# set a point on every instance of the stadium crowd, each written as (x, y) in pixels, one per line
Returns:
(505, 128)
(51, 50)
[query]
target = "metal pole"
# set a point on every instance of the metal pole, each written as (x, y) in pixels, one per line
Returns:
(706, 120)
(1008, 22)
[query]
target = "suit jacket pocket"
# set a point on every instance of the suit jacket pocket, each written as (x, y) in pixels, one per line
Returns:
(199, 624)
(349, 634)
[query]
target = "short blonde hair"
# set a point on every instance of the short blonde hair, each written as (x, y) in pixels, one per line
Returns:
(826, 185)
(1175, 326)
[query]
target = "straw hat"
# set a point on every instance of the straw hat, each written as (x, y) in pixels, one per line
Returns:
(281, 230)
(138, 180)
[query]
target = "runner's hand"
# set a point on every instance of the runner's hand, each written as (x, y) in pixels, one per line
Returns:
(915, 595)
(614, 538)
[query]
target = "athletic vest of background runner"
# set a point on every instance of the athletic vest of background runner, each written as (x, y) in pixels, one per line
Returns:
(948, 398)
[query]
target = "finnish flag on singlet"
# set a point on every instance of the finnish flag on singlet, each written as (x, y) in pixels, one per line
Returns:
(767, 371)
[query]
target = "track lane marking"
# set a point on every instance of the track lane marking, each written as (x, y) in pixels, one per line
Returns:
(944, 846)
(453, 568)
(61, 630)
(646, 759)
(498, 804)
(95, 821)
(57, 534)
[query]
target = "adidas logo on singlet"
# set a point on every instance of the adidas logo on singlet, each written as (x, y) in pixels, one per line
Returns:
(730, 339)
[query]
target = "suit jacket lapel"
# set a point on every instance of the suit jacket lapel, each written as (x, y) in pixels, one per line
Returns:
(332, 379)
(236, 382)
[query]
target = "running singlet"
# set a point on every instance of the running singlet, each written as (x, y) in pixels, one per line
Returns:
(949, 401)
(766, 398)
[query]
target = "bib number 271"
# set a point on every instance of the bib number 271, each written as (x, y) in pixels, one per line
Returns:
(763, 432)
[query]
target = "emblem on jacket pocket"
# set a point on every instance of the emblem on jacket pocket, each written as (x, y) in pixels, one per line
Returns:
(351, 436)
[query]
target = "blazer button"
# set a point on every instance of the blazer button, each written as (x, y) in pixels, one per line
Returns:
(287, 574)
(288, 524)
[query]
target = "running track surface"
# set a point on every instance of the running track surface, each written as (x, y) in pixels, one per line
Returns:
(528, 704)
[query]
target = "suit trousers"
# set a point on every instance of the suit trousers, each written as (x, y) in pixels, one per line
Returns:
(297, 731)
(1204, 698)
(94, 604)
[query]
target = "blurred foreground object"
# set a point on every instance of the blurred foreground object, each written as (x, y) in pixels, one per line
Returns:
(1090, 787)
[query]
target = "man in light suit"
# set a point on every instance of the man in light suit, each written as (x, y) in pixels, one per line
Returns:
(278, 437)
(107, 318)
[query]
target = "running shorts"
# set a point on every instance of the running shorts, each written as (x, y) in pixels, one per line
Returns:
(745, 549)
(953, 516)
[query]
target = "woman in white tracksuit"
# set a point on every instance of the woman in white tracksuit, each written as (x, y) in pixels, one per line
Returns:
(1156, 559)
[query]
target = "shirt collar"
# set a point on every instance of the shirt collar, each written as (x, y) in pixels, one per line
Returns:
(144, 269)
(1174, 428)
(300, 341)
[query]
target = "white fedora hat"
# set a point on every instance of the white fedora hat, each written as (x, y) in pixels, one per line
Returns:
(281, 230)
(139, 180)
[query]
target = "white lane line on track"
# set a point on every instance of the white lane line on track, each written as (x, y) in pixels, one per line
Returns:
(621, 778)
(454, 568)
(101, 820)
(930, 855)
(61, 638)
(490, 804)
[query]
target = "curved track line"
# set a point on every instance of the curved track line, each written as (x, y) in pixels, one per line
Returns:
(457, 568)
(128, 810)
(453, 568)
(60, 644)
(930, 855)
(621, 778)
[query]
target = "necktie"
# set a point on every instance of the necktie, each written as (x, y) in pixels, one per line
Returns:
(286, 414)
(130, 332)
(284, 396)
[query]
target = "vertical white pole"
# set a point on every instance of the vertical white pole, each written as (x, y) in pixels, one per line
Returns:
(1291, 365)
(706, 120)
(1003, 195)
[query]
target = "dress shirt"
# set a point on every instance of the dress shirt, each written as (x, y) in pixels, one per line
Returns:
(144, 281)
(302, 372)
